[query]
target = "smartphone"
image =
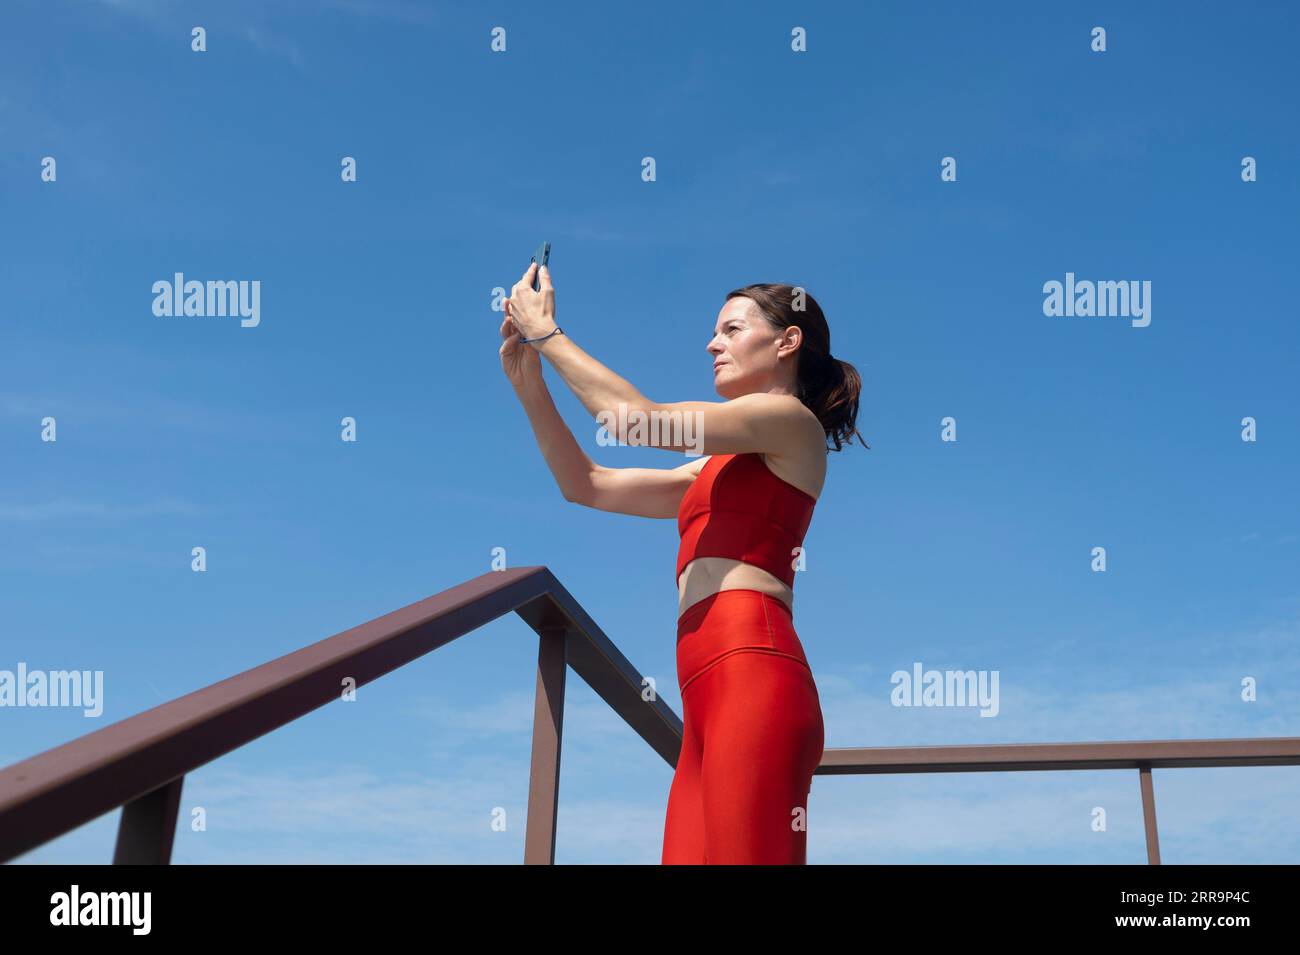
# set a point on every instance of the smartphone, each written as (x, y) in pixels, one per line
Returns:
(542, 257)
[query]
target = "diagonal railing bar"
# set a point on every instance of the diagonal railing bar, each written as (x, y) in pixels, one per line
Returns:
(144, 757)
(602, 666)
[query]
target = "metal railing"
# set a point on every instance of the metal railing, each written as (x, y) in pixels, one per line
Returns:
(139, 763)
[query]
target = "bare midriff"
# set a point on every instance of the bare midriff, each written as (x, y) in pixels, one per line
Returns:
(707, 575)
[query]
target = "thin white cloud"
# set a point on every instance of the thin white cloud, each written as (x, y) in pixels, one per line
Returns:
(273, 45)
(402, 11)
(71, 509)
(152, 10)
(152, 409)
(405, 11)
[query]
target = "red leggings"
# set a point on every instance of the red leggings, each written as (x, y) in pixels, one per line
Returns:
(753, 735)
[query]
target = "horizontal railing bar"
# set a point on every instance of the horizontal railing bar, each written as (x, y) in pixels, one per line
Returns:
(1018, 757)
(53, 792)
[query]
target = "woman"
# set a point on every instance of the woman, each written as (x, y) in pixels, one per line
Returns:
(753, 729)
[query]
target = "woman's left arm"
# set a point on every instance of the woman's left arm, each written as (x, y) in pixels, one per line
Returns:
(776, 424)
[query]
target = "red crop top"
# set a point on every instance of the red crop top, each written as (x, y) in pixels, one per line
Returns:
(737, 507)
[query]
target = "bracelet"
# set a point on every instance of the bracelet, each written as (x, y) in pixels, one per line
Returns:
(542, 338)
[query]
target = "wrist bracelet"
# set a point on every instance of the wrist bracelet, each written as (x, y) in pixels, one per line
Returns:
(542, 338)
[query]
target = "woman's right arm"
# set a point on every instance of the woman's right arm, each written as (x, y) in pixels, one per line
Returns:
(641, 492)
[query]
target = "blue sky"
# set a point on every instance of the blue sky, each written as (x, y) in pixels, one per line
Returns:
(819, 169)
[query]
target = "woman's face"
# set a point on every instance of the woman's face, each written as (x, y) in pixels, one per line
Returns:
(746, 349)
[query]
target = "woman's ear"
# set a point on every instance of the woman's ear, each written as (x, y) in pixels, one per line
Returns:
(791, 338)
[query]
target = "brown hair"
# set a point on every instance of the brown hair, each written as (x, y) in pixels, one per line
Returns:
(828, 386)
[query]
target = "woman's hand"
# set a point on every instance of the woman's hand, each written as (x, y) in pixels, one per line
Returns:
(521, 363)
(532, 312)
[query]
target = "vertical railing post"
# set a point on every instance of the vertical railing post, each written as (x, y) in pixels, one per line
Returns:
(148, 826)
(1149, 813)
(548, 727)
